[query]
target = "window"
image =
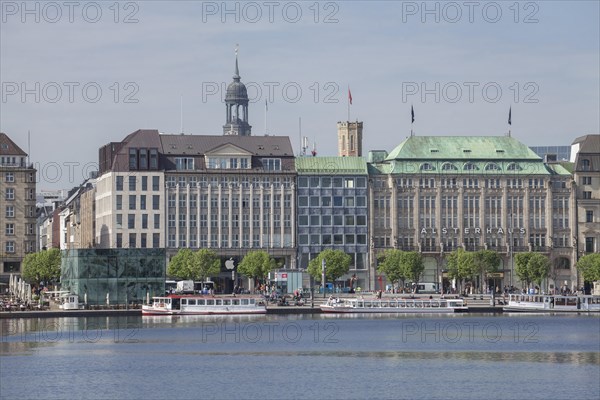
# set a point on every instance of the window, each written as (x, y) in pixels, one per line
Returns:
(153, 159)
(119, 221)
(587, 195)
(10, 247)
(133, 159)
(156, 240)
(586, 180)
(349, 183)
(119, 240)
(338, 201)
(449, 167)
(143, 241)
(143, 159)
(130, 221)
(589, 216)
(589, 245)
(144, 221)
(10, 229)
(585, 165)
(155, 202)
(302, 182)
(492, 167)
(142, 202)
(349, 220)
(9, 177)
(119, 202)
(10, 211)
(144, 183)
(513, 167)
(156, 221)
(10, 194)
(244, 164)
(119, 183)
(426, 167)
(361, 220)
(184, 163)
(469, 167)
(132, 201)
(132, 240)
(271, 164)
(156, 183)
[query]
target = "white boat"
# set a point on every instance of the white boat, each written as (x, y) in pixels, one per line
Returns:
(398, 306)
(70, 302)
(204, 305)
(552, 303)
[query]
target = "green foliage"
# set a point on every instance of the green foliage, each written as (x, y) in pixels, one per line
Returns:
(486, 261)
(197, 266)
(337, 263)
(208, 263)
(589, 265)
(390, 264)
(521, 269)
(42, 266)
(256, 264)
(183, 265)
(531, 267)
(413, 265)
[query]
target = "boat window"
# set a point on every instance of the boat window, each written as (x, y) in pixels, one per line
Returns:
(210, 302)
(218, 302)
(571, 301)
(200, 302)
(226, 302)
(184, 301)
(235, 302)
(244, 302)
(191, 302)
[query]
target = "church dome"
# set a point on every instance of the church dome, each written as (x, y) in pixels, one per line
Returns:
(236, 91)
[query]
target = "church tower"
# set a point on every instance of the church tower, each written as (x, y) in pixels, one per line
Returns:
(350, 139)
(236, 104)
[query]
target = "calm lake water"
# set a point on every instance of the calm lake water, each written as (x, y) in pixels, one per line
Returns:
(465, 356)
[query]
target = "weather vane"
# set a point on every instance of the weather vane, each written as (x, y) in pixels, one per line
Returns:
(237, 47)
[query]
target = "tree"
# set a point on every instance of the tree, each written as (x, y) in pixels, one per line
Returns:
(42, 266)
(521, 269)
(532, 267)
(337, 263)
(256, 265)
(390, 264)
(413, 266)
(461, 265)
(486, 261)
(184, 265)
(208, 263)
(539, 266)
(589, 265)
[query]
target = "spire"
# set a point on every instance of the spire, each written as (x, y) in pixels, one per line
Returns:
(236, 75)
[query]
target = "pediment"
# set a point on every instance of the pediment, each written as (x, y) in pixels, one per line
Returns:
(227, 149)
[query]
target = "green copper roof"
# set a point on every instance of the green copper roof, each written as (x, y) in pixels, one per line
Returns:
(462, 148)
(331, 165)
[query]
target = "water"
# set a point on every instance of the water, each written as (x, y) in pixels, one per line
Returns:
(468, 356)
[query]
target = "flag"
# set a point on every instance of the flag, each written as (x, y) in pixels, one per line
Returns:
(349, 96)
(509, 115)
(412, 115)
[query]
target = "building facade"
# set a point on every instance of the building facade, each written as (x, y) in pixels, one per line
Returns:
(586, 174)
(350, 138)
(436, 194)
(332, 212)
(17, 207)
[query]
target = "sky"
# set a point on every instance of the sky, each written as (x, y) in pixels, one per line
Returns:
(78, 75)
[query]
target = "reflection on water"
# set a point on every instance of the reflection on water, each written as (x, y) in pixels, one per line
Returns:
(416, 357)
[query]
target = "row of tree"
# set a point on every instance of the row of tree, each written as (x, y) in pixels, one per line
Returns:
(398, 266)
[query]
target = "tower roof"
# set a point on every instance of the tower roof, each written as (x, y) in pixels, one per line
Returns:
(236, 91)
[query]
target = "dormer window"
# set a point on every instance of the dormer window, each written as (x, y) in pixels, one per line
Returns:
(470, 166)
(513, 167)
(184, 163)
(449, 167)
(271, 164)
(492, 167)
(228, 162)
(426, 167)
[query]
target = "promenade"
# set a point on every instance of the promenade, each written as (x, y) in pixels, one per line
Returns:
(476, 304)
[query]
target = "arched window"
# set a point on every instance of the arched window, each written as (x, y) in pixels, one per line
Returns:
(426, 167)
(585, 165)
(492, 167)
(449, 167)
(470, 166)
(513, 167)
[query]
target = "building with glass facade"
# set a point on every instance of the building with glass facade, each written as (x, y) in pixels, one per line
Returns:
(332, 211)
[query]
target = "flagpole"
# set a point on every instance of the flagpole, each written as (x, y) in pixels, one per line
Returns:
(266, 126)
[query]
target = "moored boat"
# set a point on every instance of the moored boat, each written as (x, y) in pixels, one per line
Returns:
(398, 306)
(552, 303)
(203, 305)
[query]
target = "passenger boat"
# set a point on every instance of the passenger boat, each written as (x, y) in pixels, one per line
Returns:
(552, 303)
(203, 305)
(398, 306)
